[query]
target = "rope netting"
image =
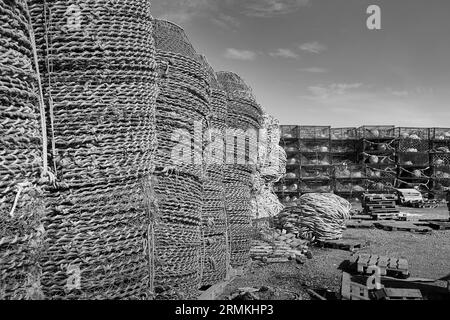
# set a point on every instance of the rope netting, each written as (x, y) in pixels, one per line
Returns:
(97, 61)
(21, 157)
(182, 111)
(272, 161)
(234, 85)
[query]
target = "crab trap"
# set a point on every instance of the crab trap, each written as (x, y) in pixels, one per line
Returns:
(292, 173)
(413, 159)
(316, 173)
(349, 172)
(383, 147)
(413, 145)
(379, 185)
(440, 159)
(292, 160)
(378, 160)
(315, 159)
(410, 174)
(413, 133)
(441, 173)
(315, 186)
(350, 186)
(344, 134)
(440, 134)
(290, 147)
(377, 132)
(314, 132)
(344, 158)
(289, 132)
(381, 173)
(344, 146)
(314, 146)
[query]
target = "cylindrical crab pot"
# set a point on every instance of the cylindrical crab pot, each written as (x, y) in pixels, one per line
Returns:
(97, 62)
(21, 159)
(181, 114)
(243, 121)
(214, 219)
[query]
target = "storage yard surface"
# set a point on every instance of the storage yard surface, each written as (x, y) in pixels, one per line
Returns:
(428, 257)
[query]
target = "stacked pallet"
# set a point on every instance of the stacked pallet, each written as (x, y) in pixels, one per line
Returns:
(21, 157)
(182, 108)
(243, 121)
(214, 219)
(97, 62)
(380, 206)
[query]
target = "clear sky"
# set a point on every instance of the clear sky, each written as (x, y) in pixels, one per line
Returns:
(314, 62)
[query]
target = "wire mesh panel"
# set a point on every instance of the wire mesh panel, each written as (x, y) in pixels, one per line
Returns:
(413, 133)
(97, 62)
(349, 171)
(440, 134)
(315, 159)
(316, 173)
(314, 146)
(414, 173)
(344, 134)
(314, 132)
(22, 207)
(344, 158)
(350, 186)
(289, 132)
(441, 173)
(389, 172)
(440, 159)
(315, 186)
(344, 146)
(380, 186)
(413, 159)
(377, 132)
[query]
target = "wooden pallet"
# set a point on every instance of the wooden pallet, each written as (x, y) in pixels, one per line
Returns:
(430, 204)
(343, 244)
(380, 197)
(374, 207)
(388, 265)
(358, 224)
(402, 294)
(439, 225)
(383, 216)
(351, 290)
(402, 226)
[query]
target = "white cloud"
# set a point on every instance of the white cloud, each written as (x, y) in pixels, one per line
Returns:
(236, 54)
(314, 70)
(313, 47)
(285, 53)
(183, 11)
(226, 21)
(334, 90)
(269, 8)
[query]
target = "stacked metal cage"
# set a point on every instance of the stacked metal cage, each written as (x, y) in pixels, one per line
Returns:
(181, 114)
(97, 62)
(243, 121)
(287, 188)
(21, 157)
(440, 160)
(216, 256)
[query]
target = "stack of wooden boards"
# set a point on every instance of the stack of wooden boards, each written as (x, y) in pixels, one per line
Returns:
(380, 206)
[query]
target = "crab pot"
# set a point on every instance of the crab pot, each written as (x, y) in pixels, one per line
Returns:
(316, 173)
(414, 174)
(344, 158)
(315, 159)
(245, 118)
(349, 172)
(314, 132)
(289, 132)
(315, 186)
(215, 257)
(322, 146)
(98, 70)
(22, 206)
(411, 159)
(439, 134)
(344, 134)
(344, 146)
(377, 132)
(441, 173)
(183, 107)
(440, 159)
(413, 133)
(381, 172)
(380, 185)
(350, 186)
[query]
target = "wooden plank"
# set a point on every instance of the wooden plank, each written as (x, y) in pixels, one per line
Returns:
(345, 286)
(393, 263)
(373, 260)
(403, 293)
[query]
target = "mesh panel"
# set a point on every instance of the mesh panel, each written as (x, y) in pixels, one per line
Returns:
(377, 132)
(344, 133)
(234, 85)
(171, 38)
(314, 132)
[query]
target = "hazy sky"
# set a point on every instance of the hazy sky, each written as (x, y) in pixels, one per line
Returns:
(314, 62)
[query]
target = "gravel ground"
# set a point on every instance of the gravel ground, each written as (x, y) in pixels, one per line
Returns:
(428, 256)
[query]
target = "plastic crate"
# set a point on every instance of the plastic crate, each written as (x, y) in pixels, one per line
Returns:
(314, 132)
(314, 146)
(413, 133)
(344, 134)
(411, 159)
(439, 134)
(289, 132)
(377, 132)
(315, 159)
(350, 172)
(316, 186)
(318, 173)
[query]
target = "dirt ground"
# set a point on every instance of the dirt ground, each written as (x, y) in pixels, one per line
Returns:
(428, 257)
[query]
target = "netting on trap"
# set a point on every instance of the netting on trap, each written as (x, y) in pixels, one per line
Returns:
(377, 132)
(314, 146)
(379, 186)
(441, 173)
(440, 186)
(384, 147)
(22, 207)
(414, 173)
(440, 159)
(350, 186)
(98, 68)
(344, 158)
(316, 173)
(234, 85)
(292, 173)
(289, 132)
(378, 160)
(315, 186)
(315, 159)
(348, 171)
(442, 146)
(413, 159)
(314, 132)
(344, 146)
(170, 37)
(413, 133)
(440, 134)
(344, 134)
(413, 145)
(382, 172)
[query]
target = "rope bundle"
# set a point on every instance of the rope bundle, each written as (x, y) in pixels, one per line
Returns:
(97, 60)
(181, 116)
(243, 114)
(317, 216)
(21, 161)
